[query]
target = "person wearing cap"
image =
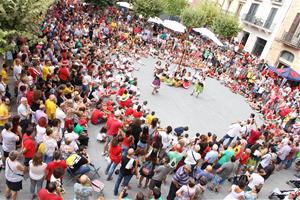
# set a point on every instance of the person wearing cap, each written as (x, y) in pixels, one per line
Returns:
(50, 106)
(211, 156)
(180, 178)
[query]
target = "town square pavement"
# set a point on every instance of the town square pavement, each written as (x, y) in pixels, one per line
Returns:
(213, 111)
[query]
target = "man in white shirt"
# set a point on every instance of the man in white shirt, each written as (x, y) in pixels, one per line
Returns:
(192, 156)
(256, 179)
(234, 131)
(166, 137)
(24, 112)
(17, 69)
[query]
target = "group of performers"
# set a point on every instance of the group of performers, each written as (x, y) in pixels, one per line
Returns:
(179, 77)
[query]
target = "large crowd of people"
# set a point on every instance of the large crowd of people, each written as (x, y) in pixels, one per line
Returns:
(83, 75)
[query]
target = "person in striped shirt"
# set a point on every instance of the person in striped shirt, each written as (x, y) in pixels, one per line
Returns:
(180, 178)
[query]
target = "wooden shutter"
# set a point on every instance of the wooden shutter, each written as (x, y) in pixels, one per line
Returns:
(295, 24)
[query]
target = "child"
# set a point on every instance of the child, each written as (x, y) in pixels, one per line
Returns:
(198, 88)
(56, 178)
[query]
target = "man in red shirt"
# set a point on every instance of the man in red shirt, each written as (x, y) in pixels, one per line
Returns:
(28, 146)
(51, 193)
(254, 136)
(113, 125)
(97, 116)
(63, 72)
(57, 162)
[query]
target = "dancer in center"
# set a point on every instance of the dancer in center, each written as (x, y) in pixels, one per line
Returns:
(199, 86)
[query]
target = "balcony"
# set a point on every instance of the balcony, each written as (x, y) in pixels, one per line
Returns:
(277, 2)
(258, 23)
(291, 40)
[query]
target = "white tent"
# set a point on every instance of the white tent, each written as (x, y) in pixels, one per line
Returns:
(209, 34)
(125, 4)
(155, 20)
(175, 26)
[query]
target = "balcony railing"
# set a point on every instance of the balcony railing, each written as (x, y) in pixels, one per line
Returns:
(258, 23)
(291, 40)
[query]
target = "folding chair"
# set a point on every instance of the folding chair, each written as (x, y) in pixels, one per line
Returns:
(94, 171)
(72, 176)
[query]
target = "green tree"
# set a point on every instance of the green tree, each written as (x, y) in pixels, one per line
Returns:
(203, 14)
(150, 8)
(193, 17)
(174, 7)
(21, 18)
(226, 25)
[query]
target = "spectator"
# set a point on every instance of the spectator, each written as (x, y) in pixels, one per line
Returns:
(180, 178)
(14, 175)
(51, 192)
(37, 169)
(83, 189)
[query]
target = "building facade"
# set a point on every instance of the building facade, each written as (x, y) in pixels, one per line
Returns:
(285, 49)
(270, 29)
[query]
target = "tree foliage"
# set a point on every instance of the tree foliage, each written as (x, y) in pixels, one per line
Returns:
(20, 18)
(174, 7)
(149, 8)
(226, 26)
(202, 14)
(193, 17)
(210, 15)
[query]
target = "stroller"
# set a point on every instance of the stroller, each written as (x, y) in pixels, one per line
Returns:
(282, 194)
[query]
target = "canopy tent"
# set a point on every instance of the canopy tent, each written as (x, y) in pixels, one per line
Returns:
(125, 4)
(287, 73)
(155, 20)
(209, 34)
(175, 26)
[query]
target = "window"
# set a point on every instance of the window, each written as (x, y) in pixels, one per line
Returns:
(245, 38)
(270, 18)
(259, 46)
(287, 56)
(238, 10)
(251, 13)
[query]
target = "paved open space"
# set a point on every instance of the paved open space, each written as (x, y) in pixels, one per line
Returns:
(213, 111)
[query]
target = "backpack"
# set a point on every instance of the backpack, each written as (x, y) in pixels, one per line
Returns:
(71, 159)
(42, 148)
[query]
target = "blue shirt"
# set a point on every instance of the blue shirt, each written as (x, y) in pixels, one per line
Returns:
(211, 156)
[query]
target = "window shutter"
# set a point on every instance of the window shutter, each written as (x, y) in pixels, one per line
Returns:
(295, 24)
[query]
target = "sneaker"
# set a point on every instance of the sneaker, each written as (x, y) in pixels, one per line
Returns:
(109, 179)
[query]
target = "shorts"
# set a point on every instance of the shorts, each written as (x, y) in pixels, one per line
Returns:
(218, 180)
(5, 154)
(14, 186)
(142, 145)
(154, 183)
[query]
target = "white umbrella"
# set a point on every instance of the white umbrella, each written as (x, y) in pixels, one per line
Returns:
(173, 25)
(209, 34)
(125, 4)
(155, 20)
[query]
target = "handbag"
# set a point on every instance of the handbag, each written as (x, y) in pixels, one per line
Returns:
(146, 169)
